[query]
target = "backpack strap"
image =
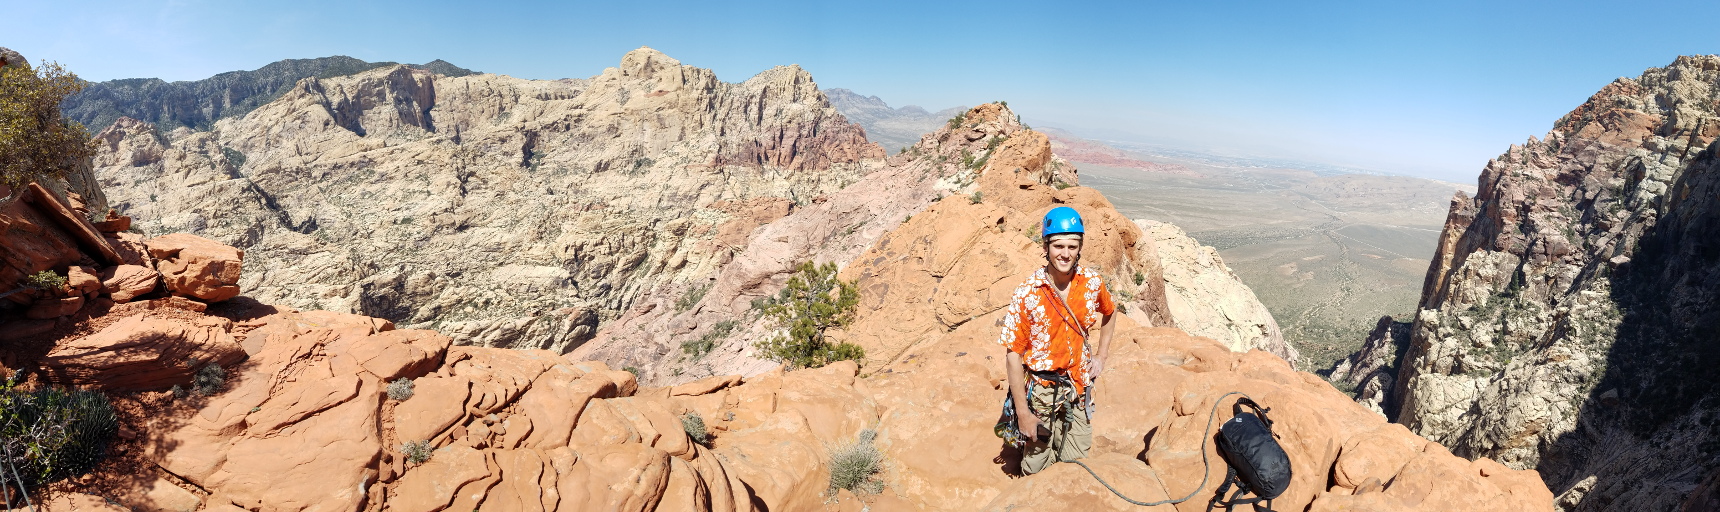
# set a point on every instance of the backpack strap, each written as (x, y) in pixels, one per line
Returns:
(1259, 412)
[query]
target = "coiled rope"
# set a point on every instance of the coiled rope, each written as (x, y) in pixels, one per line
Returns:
(1205, 464)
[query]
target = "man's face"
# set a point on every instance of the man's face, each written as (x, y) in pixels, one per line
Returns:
(1063, 253)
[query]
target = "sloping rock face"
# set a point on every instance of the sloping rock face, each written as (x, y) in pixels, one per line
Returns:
(305, 423)
(947, 167)
(962, 258)
(1567, 322)
(503, 212)
(1207, 299)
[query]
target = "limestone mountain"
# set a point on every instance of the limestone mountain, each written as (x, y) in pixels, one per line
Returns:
(894, 128)
(501, 211)
(1568, 321)
(198, 104)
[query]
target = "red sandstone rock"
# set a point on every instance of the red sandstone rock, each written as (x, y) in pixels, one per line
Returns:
(83, 280)
(126, 282)
(130, 248)
(142, 352)
(198, 267)
(54, 307)
(114, 223)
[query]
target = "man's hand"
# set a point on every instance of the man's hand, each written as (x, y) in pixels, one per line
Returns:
(1098, 364)
(1028, 423)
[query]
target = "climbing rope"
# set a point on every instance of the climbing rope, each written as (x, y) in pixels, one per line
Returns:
(1205, 464)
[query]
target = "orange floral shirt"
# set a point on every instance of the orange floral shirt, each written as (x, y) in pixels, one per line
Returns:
(1040, 330)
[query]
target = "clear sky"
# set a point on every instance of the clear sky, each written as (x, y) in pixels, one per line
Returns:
(1423, 88)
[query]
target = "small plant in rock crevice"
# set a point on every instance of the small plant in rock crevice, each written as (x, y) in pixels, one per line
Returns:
(400, 390)
(45, 280)
(209, 379)
(699, 347)
(695, 427)
(855, 466)
(977, 197)
(417, 452)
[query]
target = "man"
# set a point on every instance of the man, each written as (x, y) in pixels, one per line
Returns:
(1050, 361)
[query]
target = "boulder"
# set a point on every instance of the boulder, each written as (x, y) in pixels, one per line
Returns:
(142, 352)
(130, 248)
(82, 280)
(127, 282)
(197, 267)
(54, 307)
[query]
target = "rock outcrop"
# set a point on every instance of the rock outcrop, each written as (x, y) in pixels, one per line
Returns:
(305, 423)
(1207, 299)
(1567, 319)
(503, 212)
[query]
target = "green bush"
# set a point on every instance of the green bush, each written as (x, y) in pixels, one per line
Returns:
(699, 347)
(813, 301)
(45, 280)
(976, 198)
(417, 452)
(400, 390)
(695, 427)
(34, 140)
(855, 466)
(51, 433)
(692, 297)
(958, 120)
(209, 379)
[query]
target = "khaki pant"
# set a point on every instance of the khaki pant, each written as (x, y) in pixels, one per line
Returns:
(1071, 436)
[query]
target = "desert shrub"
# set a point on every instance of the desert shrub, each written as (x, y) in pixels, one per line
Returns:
(633, 370)
(813, 301)
(958, 120)
(692, 297)
(695, 427)
(45, 280)
(209, 379)
(417, 452)
(1140, 278)
(51, 433)
(34, 140)
(855, 466)
(976, 198)
(699, 347)
(400, 389)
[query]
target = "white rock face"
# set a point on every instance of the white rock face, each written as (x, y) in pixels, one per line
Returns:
(1207, 299)
(502, 211)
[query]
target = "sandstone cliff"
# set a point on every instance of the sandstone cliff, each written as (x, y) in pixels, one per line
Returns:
(1567, 322)
(503, 212)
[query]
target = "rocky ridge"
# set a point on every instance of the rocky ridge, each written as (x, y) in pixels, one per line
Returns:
(399, 193)
(894, 128)
(1567, 319)
(306, 420)
(198, 104)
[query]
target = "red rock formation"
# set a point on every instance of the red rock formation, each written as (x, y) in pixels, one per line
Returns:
(198, 267)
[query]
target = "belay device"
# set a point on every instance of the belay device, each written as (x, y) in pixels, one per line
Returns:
(1258, 465)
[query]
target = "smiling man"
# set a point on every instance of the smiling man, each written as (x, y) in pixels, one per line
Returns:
(1050, 362)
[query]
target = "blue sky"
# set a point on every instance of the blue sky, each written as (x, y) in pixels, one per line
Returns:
(1402, 87)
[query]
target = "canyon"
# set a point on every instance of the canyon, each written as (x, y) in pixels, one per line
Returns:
(501, 248)
(1566, 320)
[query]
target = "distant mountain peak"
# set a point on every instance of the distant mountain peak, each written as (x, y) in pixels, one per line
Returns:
(199, 103)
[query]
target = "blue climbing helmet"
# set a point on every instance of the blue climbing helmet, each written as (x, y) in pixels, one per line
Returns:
(1061, 220)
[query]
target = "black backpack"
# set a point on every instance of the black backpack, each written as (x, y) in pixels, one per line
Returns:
(1258, 465)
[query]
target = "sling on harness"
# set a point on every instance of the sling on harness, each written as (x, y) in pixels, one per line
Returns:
(1257, 464)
